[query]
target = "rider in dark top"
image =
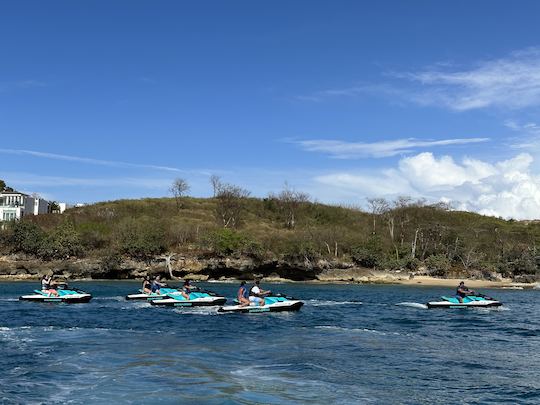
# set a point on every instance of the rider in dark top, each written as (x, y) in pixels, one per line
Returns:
(186, 289)
(462, 291)
(147, 285)
(243, 294)
(156, 285)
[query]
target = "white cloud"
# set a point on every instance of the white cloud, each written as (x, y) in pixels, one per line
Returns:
(354, 150)
(508, 188)
(32, 180)
(511, 82)
(528, 135)
(78, 159)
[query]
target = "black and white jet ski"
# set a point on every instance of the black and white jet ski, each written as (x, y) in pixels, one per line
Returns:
(272, 303)
(64, 295)
(470, 301)
(201, 298)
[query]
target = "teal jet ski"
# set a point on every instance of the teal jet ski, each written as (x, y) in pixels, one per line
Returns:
(469, 301)
(64, 295)
(165, 293)
(272, 303)
(200, 298)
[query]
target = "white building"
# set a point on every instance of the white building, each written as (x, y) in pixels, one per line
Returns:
(12, 205)
(15, 205)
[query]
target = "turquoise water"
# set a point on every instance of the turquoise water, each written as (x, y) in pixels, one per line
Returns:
(333, 351)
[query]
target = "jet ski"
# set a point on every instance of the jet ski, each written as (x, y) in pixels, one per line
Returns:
(200, 298)
(272, 303)
(165, 293)
(64, 295)
(470, 301)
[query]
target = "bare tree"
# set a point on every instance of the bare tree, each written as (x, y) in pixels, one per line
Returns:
(289, 201)
(179, 189)
(378, 206)
(215, 181)
(230, 204)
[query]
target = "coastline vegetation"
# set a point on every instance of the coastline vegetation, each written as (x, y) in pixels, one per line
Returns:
(403, 234)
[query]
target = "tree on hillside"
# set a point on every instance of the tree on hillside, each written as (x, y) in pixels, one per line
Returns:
(230, 204)
(378, 206)
(54, 207)
(289, 201)
(215, 181)
(179, 189)
(2, 185)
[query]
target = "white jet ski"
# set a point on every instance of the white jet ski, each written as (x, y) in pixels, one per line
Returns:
(196, 299)
(470, 301)
(271, 304)
(165, 293)
(64, 295)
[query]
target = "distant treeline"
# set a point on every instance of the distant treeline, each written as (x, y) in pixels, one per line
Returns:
(403, 234)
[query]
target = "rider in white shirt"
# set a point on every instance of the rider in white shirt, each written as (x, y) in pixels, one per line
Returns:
(256, 295)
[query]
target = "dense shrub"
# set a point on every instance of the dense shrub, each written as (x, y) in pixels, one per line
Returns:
(25, 237)
(140, 239)
(62, 243)
(227, 241)
(369, 254)
(438, 265)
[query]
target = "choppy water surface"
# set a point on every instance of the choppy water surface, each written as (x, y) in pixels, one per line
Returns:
(335, 350)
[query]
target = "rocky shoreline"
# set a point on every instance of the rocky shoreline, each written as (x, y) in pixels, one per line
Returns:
(17, 267)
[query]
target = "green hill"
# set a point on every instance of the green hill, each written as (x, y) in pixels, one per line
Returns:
(408, 236)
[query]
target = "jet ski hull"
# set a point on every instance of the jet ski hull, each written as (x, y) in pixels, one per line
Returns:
(198, 302)
(72, 299)
(472, 304)
(146, 297)
(276, 307)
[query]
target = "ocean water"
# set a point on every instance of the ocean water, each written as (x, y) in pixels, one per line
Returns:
(349, 344)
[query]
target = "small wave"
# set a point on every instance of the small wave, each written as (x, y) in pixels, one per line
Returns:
(323, 303)
(9, 299)
(356, 330)
(417, 305)
(115, 298)
(492, 309)
(197, 311)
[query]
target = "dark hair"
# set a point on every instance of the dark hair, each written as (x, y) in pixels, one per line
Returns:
(243, 283)
(186, 282)
(257, 281)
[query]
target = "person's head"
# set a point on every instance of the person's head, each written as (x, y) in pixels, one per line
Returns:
(186, 282)
(158, 278)
(461, 283)
(242, 283)
(146, 278)
(257, 282)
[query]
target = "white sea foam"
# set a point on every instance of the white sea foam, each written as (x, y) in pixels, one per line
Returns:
(355, 330)
(197, 311)
(323, 303)
(417, 305)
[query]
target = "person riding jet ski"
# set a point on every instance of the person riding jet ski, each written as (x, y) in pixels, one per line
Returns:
(47, 285)
(243, 295)
(462, 291)
(256, 295)
(186, 289)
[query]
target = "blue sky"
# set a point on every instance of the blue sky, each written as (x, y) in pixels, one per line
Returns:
(345, 100)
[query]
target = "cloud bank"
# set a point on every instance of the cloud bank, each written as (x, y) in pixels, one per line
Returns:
(507, 188)
(512, 82)
(354, 150)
